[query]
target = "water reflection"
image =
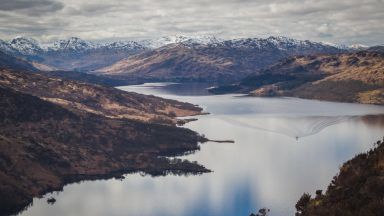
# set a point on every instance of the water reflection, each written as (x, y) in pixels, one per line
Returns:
(265, 167)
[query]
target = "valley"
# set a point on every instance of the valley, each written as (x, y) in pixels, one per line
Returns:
(191, 108)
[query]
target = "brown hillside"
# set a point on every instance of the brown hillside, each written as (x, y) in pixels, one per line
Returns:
(106, 101)
(357, 190)
(347, 77)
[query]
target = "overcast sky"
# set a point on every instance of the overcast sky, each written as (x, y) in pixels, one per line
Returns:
(335, 21)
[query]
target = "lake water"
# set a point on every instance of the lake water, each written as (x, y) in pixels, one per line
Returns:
(283, 148)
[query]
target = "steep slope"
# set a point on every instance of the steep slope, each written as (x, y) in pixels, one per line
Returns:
(347, 77)
(213, 62)
(357, 190)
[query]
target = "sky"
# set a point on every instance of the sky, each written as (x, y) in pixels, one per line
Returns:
(334, 21)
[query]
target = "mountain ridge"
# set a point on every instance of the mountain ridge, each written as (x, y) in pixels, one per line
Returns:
(217, 62)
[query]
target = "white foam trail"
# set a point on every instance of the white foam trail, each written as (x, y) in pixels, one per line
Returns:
(294, 127)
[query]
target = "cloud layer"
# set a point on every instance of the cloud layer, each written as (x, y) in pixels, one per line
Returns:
(343, 21)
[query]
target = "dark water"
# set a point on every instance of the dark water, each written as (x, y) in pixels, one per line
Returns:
(283, 147)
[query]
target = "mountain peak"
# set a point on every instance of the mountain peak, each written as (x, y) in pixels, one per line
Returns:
(72, 44)
(184, 39)
(26, 46)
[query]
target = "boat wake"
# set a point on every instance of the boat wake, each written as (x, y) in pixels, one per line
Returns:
(294, 127)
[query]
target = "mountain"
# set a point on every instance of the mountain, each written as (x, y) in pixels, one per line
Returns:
(346, 77)
(379, 49)
(219, 61)
(218, 57)
(6, 47)
(358, 47)
(166, 40)
(81, 55)
(55, 131)
(73, 44)
(356, 190)
(26, 46)
(71, 54)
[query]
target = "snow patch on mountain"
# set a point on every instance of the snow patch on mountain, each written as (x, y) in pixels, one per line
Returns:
(358, 46)
(186, 40)
(73, 44)
(124, 45)
(30, 47)
(273, 42)
(25, 46)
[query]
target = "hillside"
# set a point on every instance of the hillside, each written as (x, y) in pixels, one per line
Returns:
(100, 100)
(55, 131)
(348, 77)
(214, 62)
(11, 62)
(357, 190)
(87, 77)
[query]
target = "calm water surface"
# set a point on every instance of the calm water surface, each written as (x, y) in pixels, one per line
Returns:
(283, 147)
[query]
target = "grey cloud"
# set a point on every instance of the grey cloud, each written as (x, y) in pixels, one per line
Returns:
(31, 7)
(343, 21)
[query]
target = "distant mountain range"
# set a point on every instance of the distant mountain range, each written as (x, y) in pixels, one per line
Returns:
(171, 58)
(178, 58)
(220, 61)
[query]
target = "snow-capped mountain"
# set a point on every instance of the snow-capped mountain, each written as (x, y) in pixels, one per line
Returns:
(72, 44)
(187, 40)
(279, 43)
(358, 47)
(6, 47)
(26, 46)
(78, 54)
(70, 54)
(121, 45)
(29, 47)
(213, 61)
